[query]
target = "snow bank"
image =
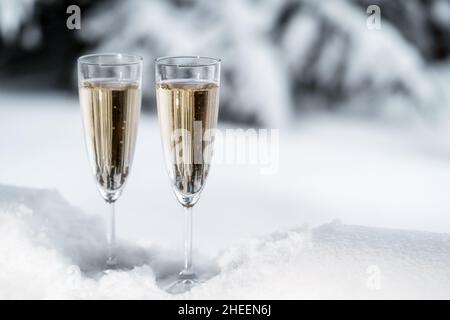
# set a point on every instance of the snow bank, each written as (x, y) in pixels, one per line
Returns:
(335, 261)
(51, 249)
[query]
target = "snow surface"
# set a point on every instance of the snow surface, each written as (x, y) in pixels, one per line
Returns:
(51, 249)
(362, 172)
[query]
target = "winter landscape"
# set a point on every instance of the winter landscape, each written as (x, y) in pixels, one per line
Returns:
(353, 202)
(357, 208)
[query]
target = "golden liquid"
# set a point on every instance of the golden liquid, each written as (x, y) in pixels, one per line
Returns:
(110, 114)
(186, 111)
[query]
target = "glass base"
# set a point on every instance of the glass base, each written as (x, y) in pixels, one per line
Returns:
(184, 283)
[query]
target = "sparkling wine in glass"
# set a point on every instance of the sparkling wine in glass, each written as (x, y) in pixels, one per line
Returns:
(187, 93)
(110, 100)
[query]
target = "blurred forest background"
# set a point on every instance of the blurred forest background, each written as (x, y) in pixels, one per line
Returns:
(280, 58)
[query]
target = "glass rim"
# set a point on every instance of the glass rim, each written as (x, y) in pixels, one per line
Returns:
(134, 59)
(213, 61)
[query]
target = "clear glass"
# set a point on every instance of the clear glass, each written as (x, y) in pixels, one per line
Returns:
(187, 94)
(110, 100)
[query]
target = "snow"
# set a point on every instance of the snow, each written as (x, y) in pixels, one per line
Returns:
(388, 178)
(51, 249)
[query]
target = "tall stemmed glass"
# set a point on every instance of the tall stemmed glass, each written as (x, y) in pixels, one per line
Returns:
(110, 100)
(187, 93)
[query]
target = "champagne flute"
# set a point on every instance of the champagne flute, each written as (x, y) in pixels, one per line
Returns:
(187, 94)
(110, 100)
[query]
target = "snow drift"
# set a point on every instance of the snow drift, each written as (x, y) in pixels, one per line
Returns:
(51, 249)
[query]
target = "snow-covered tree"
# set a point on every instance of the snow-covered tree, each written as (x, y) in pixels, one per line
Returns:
(279, 57)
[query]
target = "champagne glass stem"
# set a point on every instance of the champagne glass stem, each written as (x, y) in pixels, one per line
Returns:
(188, 269)
(111, 236)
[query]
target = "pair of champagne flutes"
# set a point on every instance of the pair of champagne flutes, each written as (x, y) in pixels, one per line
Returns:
(187, 94)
